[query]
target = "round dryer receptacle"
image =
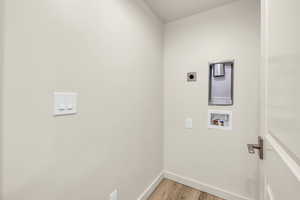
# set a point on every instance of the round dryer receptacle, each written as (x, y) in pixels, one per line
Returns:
(191, 76)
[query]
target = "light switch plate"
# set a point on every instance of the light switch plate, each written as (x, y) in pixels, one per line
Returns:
(114, 195)
(188, 123)
(65, 103)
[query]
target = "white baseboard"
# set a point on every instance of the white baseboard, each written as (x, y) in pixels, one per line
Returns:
(150, 189)
(204, 187)
(191, 183)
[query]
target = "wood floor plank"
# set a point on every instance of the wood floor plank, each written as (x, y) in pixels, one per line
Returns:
(170, 190)
(203, 196)
(188, 193)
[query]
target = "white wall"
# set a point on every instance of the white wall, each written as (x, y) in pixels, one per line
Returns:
(108, 51)
(214, 157)
(1, 80)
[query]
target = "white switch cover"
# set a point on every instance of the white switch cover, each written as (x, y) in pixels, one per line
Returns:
(114, 195)
(65, 103)
(188, 123)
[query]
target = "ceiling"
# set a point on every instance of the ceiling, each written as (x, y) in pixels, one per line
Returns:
(169, 10)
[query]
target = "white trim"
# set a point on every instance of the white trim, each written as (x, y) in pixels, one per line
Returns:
(204, 187)
(191, 183)
(284, 155)
(270, 195)
(150, 189)
(221, 61)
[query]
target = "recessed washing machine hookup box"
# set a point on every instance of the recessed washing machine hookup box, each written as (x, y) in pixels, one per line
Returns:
(220, 119)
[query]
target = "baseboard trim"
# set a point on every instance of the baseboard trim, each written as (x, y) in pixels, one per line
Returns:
(204, 187)
(150, 189)
(191, 183)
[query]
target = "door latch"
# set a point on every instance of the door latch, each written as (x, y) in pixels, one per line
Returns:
(259, 147)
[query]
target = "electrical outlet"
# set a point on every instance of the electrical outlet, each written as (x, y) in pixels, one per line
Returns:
(114, 195)
(188, 123)
(191, 76)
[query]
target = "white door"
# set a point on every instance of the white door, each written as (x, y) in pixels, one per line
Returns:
(280, 119)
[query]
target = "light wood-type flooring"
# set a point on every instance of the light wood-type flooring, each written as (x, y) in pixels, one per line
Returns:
(170, 190)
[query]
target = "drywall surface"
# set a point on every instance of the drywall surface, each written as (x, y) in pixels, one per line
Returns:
(1, 78)
(110, 53)
(214, 157)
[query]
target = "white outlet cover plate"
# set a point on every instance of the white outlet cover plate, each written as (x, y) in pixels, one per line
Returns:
(65, 103)
(188, 123)
(114, 195)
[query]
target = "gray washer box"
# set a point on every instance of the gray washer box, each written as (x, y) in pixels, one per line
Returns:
(221, 83)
